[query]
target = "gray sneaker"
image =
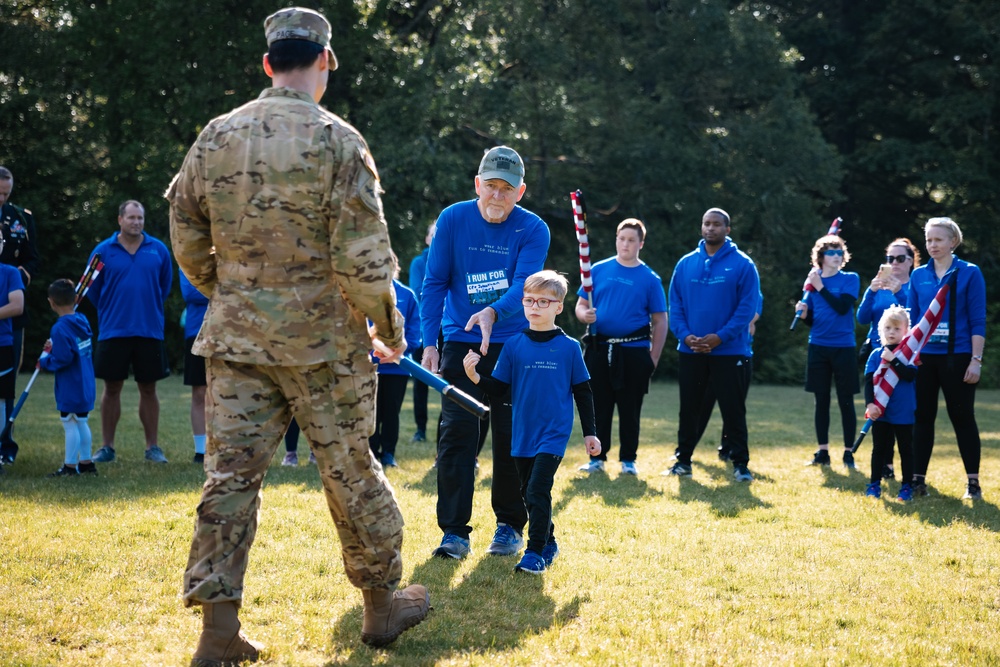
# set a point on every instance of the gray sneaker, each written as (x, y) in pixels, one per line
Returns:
(506, 541)
(452, 546)
(104, 455)
(154, 455)
(679, 470)
(594, 465)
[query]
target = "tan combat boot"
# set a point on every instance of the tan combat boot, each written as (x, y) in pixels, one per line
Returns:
(388, 614)
(221, 643)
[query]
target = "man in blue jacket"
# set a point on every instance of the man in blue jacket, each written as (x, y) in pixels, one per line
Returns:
(483, 250)
(714, 294)
(129, 295)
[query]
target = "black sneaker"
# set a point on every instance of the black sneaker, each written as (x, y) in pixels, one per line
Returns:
(888, 472)
(973, 491)
(849, 460)
(679, 470)
(198, 458)
(920, 490)
(87, 468)
(65, 471)
(723, 453)
(820, 458)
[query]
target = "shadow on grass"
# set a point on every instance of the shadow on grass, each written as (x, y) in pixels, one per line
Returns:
(941, 511)
(729, 501)
(622, 491)
(851, 480)
(467, 615)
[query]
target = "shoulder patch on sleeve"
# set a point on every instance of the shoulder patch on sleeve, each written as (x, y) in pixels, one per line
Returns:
(369, 187)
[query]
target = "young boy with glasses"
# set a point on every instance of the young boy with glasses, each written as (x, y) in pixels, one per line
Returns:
(543, 368)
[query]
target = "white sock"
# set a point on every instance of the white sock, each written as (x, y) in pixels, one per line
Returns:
(72, 439)
(199, 443)
(86, 440)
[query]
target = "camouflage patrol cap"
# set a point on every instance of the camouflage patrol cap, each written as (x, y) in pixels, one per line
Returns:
(502, 162)
(300, 23)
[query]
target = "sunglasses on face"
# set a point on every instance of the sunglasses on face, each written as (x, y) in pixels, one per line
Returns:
(896, 258)
(834, 252)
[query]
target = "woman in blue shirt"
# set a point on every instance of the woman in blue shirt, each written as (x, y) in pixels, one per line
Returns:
(830, 313)
(952, 358)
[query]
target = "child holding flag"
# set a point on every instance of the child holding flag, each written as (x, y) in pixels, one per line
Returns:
(895, 423)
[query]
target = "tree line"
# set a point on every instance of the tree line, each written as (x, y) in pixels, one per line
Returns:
(786, 114)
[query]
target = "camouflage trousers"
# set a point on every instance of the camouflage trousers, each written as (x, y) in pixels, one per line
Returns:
(248, 408)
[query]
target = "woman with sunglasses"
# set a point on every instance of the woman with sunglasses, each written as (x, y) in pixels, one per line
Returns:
(831, 362)
(885, 291)
(952, 358)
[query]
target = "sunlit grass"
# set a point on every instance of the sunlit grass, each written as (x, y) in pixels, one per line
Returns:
(796, 568)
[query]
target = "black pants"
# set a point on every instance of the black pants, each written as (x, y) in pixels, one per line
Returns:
(419, 397)
(537, 474)
(960, 400)
(388, 403)
(638, 368)
(833, 366)
(456, 469)
(708, 405)
(884, 435)
(726, 376)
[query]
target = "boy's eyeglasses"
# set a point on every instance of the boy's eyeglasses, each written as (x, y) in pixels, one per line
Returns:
(834, 252)
(896, 258)
(528, 302)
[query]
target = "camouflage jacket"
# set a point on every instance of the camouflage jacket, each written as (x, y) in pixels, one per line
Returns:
(276, 216)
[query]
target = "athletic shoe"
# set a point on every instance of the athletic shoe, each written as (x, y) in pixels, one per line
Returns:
(874, 490)
(723, 453)
(820, 458)
(87, 468)
(388, 460)
(628, 468)
(198, 458)
(291, 459)
(452, 546)
(530, 563)
(312, 457)
(65, 471)
(741, 474)
(550, 551)
(920, 490)
(419, 436)
(888, 473)
(679, 469)
(104, 455)
(506, 541)
(905, 493)
(155, 455)
(973, 491)
(849, 460)
(595, 465)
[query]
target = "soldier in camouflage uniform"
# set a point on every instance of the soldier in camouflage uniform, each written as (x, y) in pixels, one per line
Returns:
(276, 216)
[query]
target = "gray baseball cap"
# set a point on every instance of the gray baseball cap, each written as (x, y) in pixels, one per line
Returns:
(502, 162)
(300, 23)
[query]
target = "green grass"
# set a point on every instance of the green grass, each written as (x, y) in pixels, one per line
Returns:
(798, 568)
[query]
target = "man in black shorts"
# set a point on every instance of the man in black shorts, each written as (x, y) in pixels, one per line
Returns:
(129, 294)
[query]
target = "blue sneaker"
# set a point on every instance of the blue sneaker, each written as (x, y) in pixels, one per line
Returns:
(104, 455)
(388, 460)
(452, 546)
(874, 490)
(628, 468)
(531, 563)
(905, 493)
(550, 551)
(506, 541)
(742, 474)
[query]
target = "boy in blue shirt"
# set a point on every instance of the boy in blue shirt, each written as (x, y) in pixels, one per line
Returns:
(896, 422)
(67, 353)
(543, 368)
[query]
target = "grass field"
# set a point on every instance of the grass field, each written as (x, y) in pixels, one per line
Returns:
(798, 568)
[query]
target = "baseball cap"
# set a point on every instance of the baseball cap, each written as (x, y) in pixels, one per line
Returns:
(300, 23)
(502, 162)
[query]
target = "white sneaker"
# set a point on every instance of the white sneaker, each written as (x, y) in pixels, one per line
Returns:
(628, 468)
(291, 459)
(596, 465)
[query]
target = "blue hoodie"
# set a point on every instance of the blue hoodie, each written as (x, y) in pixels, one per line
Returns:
(71, 361)
(473, 264)
(717, 294)
(970, 308)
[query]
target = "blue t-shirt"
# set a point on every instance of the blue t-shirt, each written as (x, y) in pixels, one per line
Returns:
(71, 361)
(195, 305)
(406, 303)
(828, 328)
(541, 376)
(131, 289)
(903, 401)
(473, 264)
(626, 298)
(873, 304)
(717, 294)
(970, 307)
(10, 281)
(417, 267)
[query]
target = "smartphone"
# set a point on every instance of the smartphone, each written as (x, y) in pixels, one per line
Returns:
(884, 271)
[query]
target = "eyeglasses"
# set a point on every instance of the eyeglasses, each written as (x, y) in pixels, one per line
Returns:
(834, 252)
(896, 258)
(528, 302)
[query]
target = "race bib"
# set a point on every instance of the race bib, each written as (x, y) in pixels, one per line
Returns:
(940, 334)
(486, 287)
